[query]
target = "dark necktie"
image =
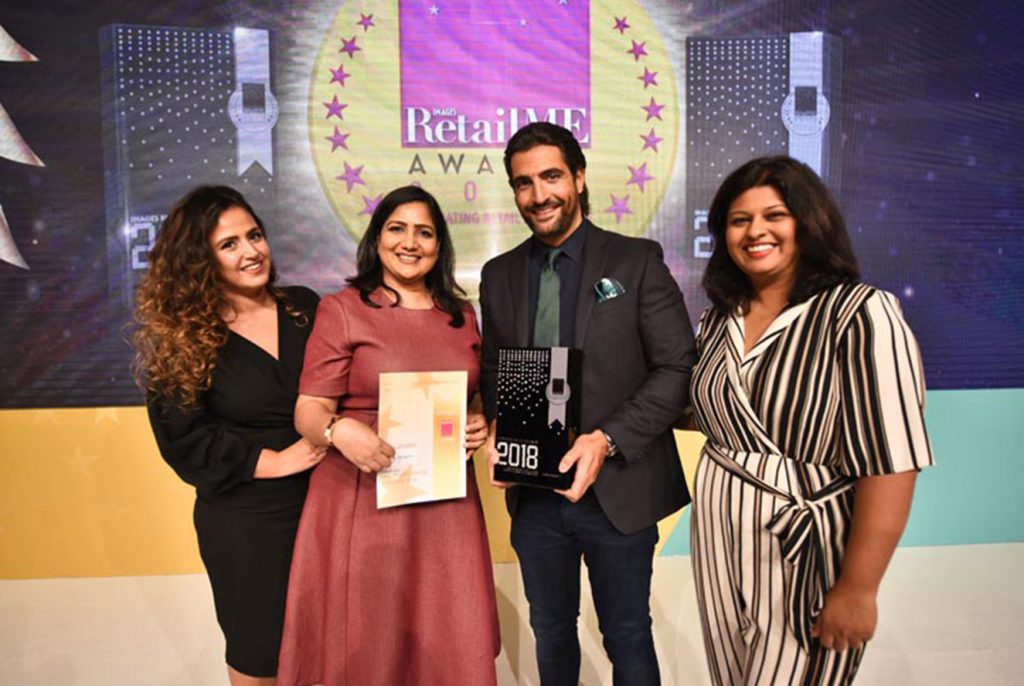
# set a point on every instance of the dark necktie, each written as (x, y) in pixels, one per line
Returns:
(545, 326)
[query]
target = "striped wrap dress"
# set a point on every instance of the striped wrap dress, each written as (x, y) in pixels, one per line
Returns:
(831, 392)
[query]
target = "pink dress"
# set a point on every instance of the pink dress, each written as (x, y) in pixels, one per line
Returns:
(397, 596)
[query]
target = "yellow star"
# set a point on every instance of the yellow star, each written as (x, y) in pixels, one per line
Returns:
(397, 489)
(48, 416)
(424, 380)
(386, 422)
(81, 462)
(106, 414)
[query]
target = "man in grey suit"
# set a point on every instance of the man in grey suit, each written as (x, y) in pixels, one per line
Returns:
(575, 285)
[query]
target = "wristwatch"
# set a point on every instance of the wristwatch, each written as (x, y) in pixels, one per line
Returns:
(329, 431)
(613, 449)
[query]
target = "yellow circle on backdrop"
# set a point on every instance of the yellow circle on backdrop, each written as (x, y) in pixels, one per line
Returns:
(355, 125)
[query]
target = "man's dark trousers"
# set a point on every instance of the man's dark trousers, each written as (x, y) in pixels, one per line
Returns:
(549, 534)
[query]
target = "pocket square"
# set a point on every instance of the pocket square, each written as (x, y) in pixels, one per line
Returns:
(608, 288)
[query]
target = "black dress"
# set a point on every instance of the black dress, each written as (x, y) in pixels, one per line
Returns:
(245, 526)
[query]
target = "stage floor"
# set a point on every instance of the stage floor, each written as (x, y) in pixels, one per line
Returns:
(948, 616)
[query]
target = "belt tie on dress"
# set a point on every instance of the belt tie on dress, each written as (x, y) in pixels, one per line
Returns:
(799, 528)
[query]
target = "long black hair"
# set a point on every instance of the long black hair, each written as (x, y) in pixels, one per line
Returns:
(448, 295)
(826, 255)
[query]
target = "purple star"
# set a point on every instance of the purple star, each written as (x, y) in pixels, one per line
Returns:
(619, 207)
(338, 139)
(370, 204)
(653, 110)
(639, 176)
(638, 50)
(649, 78)
(349, 47)
(620, 25)
(366, 21)
(650, 141)
(338, 75)
(334, 108)
(352, 177)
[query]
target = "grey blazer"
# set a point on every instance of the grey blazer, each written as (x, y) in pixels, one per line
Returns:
(638, 352)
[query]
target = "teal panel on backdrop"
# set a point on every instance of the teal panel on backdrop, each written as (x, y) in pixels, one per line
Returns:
(679, 541)
(973, 494)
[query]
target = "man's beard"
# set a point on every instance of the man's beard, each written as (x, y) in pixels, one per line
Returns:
(559, 228)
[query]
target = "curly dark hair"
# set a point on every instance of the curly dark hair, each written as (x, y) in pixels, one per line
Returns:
(544, 133)
(826, 255)
(447, 294)
(180, 302)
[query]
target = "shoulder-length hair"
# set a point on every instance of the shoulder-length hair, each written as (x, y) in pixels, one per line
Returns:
(447, 294)
(180, 302)
(826, 255)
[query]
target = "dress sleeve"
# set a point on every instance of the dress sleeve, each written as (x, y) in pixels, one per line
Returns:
(201, 449)
(882, 393)
(328, 352)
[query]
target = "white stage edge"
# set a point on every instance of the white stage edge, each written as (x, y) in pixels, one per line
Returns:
(948, 616)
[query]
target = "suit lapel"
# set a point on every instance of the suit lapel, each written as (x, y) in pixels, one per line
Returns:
(595, 254)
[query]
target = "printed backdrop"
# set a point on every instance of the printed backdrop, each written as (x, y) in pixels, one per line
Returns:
(912, 112)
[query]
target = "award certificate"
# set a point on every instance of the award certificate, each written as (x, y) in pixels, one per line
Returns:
(423, 417)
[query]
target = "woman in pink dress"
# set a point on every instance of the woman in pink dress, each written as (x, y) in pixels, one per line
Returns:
(403, 595)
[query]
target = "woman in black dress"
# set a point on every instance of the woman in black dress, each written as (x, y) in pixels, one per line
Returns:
(219, 352)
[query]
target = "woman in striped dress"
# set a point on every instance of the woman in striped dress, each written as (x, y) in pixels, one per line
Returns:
(810, 391)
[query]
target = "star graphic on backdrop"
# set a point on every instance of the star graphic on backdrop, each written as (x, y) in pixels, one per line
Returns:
(650, 141)
(366, 21)
(80, 462)
(334, 108)
(338, 139)
(370, 204)
(653, 110)
(48, 416)
(639, 176)
(563, 3)
(434, 10)
(349, 47)
(352, 176)
(620, 25)
(638, 50)
(649, 78)
(106, 414)
(339, 75)
(619, 207)
(523, 23)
